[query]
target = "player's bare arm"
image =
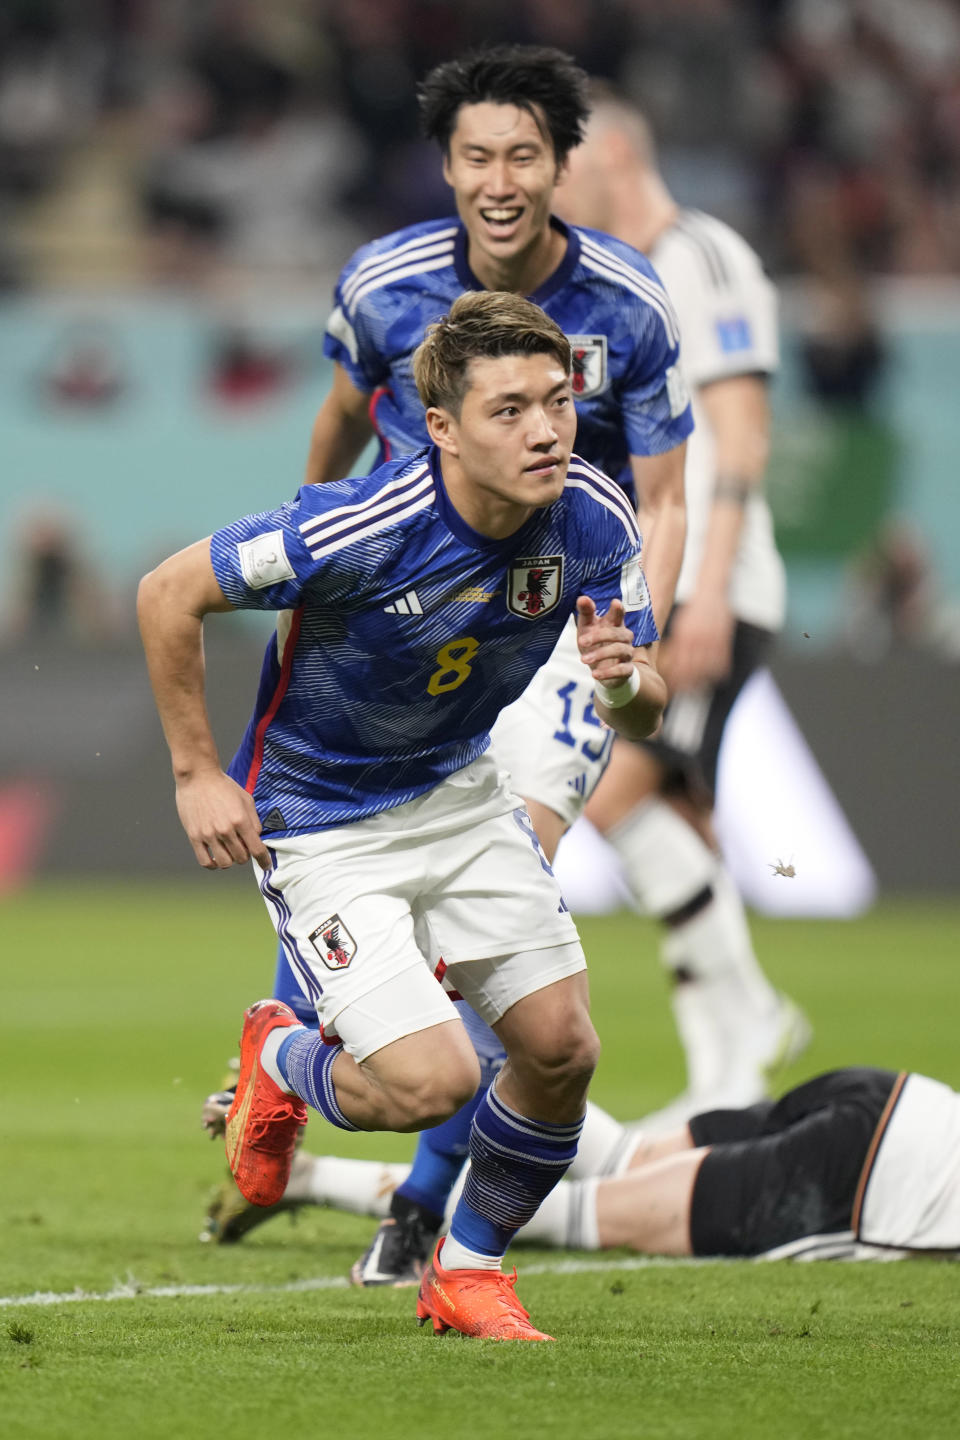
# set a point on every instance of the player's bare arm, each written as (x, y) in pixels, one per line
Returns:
(662, 513)
(631, 695)
(219, 817)
(700, 646)
(340, 431)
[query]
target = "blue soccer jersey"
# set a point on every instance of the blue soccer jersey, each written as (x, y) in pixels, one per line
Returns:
(404, 632)
(605, 296)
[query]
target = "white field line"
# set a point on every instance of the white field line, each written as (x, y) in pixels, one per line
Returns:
(131, 1289)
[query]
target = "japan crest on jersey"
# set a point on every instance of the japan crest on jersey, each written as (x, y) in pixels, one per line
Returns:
(534, 585)
(333, 943)
(588, 354)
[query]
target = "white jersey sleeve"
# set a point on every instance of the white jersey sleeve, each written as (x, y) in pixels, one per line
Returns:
(726, 305)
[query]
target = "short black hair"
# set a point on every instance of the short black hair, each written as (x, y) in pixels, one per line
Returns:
(536, 78)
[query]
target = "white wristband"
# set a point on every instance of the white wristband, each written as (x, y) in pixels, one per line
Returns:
(620, 693)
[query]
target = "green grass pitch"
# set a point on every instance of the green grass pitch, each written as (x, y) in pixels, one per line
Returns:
(120, 1006)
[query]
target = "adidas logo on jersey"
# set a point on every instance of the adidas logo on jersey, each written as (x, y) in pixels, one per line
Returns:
(408, 604)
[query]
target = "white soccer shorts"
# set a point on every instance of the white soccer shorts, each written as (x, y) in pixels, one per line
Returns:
(453, 881)
(551, 740)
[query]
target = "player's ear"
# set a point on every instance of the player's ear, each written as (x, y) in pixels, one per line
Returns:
(447, 173)
(563, 171)
(442, 429)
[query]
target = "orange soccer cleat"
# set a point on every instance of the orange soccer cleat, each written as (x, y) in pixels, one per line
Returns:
(483, 1303)
(263, 1123)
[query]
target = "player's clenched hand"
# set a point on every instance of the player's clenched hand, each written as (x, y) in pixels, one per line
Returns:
(604, 642)
(221, 821)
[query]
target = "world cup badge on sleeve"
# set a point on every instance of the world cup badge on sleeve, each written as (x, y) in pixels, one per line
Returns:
(333, 943)
(534, 585)
(588, 354)
(633, 585)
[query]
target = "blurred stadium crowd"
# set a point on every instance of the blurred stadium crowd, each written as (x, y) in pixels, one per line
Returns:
(181, 181)
(167, 140)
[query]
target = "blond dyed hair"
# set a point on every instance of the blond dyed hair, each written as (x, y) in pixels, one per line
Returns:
(482, 324)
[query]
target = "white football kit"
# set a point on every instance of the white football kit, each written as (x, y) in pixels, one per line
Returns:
(551, 740)
(911, 1195)
(727, 309)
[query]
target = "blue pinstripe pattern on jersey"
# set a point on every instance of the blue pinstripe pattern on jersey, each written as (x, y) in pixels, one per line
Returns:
(382, 507)
(603, 263)
(332, 520)
(609, 494)
(420, 267)
(399, 510)
(358, 730)
(426, 246)
(391, 300)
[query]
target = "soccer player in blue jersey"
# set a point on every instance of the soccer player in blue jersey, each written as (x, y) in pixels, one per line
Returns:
(505, 120)
(395, 849)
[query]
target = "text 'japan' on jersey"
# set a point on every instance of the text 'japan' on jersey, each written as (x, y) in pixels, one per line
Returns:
(604, 295)
(404, 632)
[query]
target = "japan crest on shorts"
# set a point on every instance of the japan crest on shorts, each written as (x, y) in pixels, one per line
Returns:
(333, 943)
(588, 354)
(534, 585)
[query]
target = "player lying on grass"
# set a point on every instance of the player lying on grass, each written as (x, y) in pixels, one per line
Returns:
(407, 1234)
(856, 1163)
(395, 849)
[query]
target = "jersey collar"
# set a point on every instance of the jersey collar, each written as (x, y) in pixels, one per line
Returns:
(465, 533)
(550, 286)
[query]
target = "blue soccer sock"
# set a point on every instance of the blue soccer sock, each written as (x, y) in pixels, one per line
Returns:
(285, 988)
(305, 1061)
(439, 1158)
(514, 1163)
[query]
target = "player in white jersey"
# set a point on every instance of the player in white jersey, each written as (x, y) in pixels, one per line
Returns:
(655, 802)
(855, 1164)
(858, 1163)
(391, 849)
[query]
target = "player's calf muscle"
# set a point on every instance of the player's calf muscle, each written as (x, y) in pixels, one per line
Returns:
(427, 1104)
(411, 1089)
